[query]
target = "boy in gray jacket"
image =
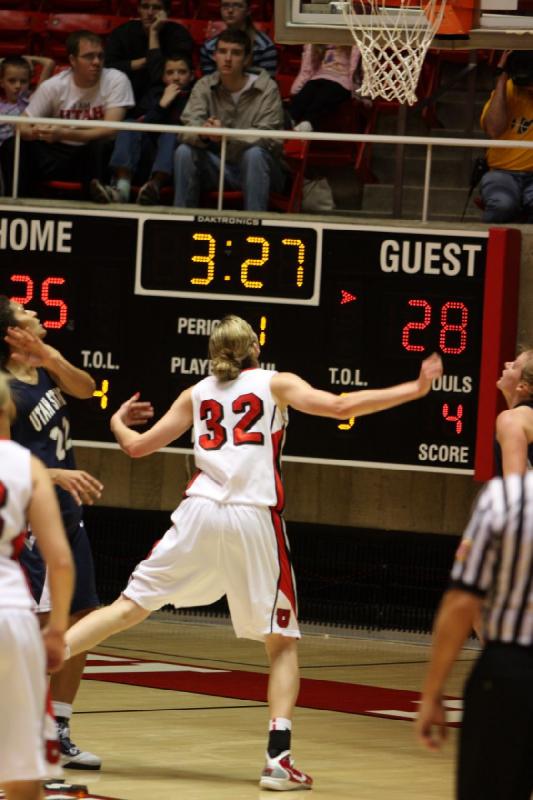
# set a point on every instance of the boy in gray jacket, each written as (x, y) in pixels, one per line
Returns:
(232, 97)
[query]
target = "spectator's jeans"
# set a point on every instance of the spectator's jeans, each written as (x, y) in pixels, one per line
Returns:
(154, 152)
(197, 170)
(507, 196)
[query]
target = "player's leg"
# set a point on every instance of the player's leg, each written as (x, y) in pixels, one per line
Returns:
(64, 684)
(181, 570)
(103, 623)
(23, 790)
(262, 599)
(23, 687)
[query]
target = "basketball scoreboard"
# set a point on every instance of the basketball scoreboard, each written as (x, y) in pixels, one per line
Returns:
(133, 298)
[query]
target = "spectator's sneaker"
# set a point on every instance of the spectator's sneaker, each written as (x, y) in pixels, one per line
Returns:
(103, 194)
(304, 127)
(281, 775)
(71, 756)
(149, 194)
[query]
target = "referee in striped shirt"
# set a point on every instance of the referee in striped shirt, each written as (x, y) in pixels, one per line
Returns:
(492, 574)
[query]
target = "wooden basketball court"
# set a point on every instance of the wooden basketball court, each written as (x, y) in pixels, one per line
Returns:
(173, 731)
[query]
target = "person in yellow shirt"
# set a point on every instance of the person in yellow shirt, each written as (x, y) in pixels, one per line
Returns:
(507, 188)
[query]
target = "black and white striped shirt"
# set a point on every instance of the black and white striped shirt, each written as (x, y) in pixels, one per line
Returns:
(495, 559)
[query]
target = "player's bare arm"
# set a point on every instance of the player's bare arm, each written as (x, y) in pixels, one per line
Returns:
(453, 624)
(30, 350)
(291, 390)
(45, 520)
(171, 426)
(514, 432)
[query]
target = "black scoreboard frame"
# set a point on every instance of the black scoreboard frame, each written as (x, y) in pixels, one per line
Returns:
(114, 287)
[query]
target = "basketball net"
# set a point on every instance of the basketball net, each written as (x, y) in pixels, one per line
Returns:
(393, 41)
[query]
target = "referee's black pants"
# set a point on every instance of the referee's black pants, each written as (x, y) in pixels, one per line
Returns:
(496, 740)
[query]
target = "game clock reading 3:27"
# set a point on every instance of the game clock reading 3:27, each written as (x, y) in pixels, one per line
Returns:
(134, 297)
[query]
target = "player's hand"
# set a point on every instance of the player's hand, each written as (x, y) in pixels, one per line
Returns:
(54, 645)
(431, 714)
(169, 95)
(430, 369)
(503, 59)
(82, 486)
(27, 348)
(135, 411)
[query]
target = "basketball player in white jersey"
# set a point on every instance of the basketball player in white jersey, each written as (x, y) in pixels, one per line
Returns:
(29, 751)
(228, 535)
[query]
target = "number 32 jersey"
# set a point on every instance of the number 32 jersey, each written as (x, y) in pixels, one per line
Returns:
(42, 425)
(238, 438)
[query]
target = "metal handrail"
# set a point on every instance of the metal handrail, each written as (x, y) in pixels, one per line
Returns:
(237, 133)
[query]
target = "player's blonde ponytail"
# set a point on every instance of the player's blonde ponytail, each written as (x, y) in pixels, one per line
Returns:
(232, 348)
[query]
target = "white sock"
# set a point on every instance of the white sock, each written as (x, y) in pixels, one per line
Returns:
(62, 709)
(280, 724)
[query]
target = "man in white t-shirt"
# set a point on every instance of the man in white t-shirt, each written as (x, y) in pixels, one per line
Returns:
(84, 91)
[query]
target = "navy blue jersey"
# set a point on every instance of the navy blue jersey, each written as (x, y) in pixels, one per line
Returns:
(498, 450)
(42, 425)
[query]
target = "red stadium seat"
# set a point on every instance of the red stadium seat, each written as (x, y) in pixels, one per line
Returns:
(16, 33)
(129, 8)
(58, 26)
(79, 6)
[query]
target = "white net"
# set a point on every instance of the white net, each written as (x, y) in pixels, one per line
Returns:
(393, 40)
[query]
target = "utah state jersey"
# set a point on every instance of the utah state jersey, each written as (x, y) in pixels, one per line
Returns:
(42, 425)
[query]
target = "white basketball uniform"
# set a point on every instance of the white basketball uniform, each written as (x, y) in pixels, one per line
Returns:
(26, 752)
(228, 535)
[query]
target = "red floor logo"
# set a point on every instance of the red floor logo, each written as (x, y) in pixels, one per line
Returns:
(347, 698)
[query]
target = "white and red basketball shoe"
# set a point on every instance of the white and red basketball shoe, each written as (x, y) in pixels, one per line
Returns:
(281, 775)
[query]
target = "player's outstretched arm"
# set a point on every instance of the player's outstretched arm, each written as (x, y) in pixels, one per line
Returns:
(26, 348)
(45, 520)
(171, 426)
(291, 390)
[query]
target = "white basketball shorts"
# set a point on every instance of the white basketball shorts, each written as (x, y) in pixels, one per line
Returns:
(214, 549)
(23, 689)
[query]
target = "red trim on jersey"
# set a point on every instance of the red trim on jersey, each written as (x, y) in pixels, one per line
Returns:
(194, 477)
(277, 442)
(17, 544)
(285, 583)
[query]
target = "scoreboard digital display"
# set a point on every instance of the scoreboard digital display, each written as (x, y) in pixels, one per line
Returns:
(133, 298)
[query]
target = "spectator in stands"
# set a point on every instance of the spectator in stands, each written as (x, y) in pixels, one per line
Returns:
(139, 47)
(325, 80)
(232, 97)
(507, 188)
(149, 156)
(15, 78)
(85, 91)
(236, 17)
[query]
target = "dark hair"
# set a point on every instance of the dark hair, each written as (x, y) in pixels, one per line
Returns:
(167, 5)
(14, 61)
(519, 67)
(185, 57)
(7, 320)
(235, 37)
(73, 41)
